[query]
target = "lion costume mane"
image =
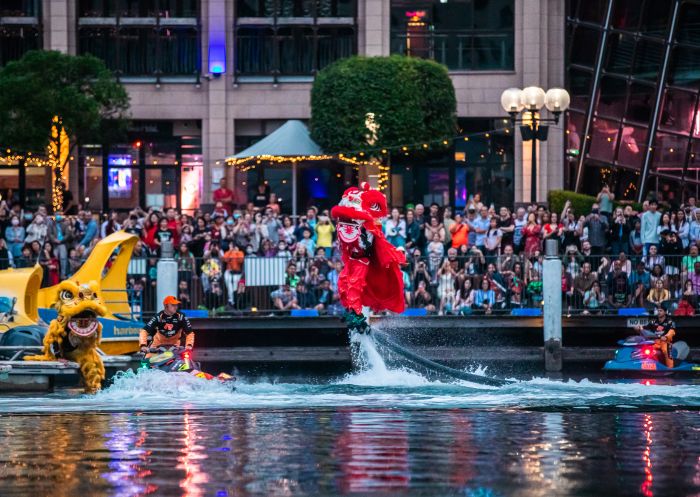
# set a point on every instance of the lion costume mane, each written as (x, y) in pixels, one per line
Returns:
(75, 333)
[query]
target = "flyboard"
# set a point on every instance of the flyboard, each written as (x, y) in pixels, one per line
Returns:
(432, 368)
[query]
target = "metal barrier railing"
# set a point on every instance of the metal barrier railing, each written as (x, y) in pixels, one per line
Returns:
(472, 283)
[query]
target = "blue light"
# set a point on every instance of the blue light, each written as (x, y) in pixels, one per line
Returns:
(217, 57)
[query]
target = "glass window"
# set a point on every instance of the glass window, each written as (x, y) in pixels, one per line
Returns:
(38, 186)
(302, 50)
(603, 140)
(179, 51)
(613, 93)
(584, 46)
(97, 8)
(255, 50)
(19, 8)
(141, 50)
(593, 10)
(669, 152)
(179, 8)
(626, 14)
(138, 8)
(574, 133)
(632, 146)
(619, 54)
(461, 34)
(647, 61)
(296, 8)
(641, 103)
(678, 111)
(657, 14)
(137, 51)
(296, 49)
(688, 30)
(685, 67)
(580, 88)
(100, 42)
(161, 152)
(15, 41)
(122, 188)
(162, 187)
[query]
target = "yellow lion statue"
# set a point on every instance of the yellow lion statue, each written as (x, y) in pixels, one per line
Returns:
(75, 333)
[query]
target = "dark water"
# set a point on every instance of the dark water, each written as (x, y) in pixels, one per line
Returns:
(351, 451)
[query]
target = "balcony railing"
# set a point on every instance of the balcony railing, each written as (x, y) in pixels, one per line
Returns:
(459, 50)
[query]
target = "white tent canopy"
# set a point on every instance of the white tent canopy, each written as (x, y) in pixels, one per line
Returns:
(292, 139)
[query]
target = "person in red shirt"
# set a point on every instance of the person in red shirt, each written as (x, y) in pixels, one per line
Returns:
(459, 231)
(225, 196)
(174, 225)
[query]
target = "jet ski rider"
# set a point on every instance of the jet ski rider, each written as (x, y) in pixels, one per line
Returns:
(662, 329)
(167, 328)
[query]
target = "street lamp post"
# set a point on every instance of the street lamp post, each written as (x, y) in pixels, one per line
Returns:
(531, 100)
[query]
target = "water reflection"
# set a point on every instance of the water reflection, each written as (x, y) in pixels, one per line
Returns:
(351, 451)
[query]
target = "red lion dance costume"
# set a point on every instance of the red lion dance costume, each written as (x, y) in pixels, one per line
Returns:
(371, 275)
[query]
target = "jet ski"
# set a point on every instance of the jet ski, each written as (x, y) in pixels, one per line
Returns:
(638, 357)
(179, 360)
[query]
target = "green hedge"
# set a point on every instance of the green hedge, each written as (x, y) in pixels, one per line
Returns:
(413, 101)
(579, 202)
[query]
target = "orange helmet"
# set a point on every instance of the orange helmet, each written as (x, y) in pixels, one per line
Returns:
(170, 300)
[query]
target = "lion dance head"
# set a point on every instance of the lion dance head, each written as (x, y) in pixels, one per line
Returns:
(75, 333)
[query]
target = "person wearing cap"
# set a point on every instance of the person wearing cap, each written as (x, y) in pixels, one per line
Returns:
(662, 330)
(167, 328)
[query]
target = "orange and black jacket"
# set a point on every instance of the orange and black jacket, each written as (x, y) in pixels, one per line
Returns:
(166, 329)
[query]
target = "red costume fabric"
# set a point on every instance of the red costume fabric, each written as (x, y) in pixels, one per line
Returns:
(371, 274)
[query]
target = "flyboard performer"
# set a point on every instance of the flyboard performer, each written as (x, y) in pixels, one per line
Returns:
(371, 274)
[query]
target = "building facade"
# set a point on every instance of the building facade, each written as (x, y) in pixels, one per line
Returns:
(207, 78)
(633, 72)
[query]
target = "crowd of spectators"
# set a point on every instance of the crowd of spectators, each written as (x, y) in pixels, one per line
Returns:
(479, 259)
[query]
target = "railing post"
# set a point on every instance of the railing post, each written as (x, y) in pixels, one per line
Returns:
(552, 307)
(166, 270)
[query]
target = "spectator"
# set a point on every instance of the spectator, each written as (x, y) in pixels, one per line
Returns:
(653, 258)
(689, 294)
(658, 295)
(593, 299)
(183, 294)
(220, 211)
(516, 285)
(446, 288)
(683, 229)
(422, 298)
(532, 235)
(240, 301)
(224, 195)
(605, 200)
(436, 250)
(325, 296)
(414, 232)
(211, 271)
(641, 275)
(306, 241)
(459, 232)
(292, 277)
(657, 273)
(15, 235)
(694, 278)
(650, 221)
(262, 196)
(185, 263)
(618, 286)
(6, 258)
(324, 234)
(395, 229)
(688, 261)
(284, 299)
(37, 230)
(110, 225)
(484, 298)
(534, 290)
(635, 239)
(638, 297)
(597, 230)
(619, 233)
(234, 258)
(433, 229)
(584, 281)
(88, 227)
(492, 240)
(305, 298)
(464, 299)
(480, 225)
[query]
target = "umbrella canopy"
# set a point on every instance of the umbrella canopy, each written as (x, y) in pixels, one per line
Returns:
(292, 139)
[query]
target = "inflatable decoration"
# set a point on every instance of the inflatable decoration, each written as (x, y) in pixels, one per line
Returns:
(371, 274)
(75, 333)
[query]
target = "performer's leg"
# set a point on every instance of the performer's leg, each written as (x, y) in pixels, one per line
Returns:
(351, 285)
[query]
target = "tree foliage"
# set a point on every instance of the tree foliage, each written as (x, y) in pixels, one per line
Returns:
(44, 84)
(413, 101)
